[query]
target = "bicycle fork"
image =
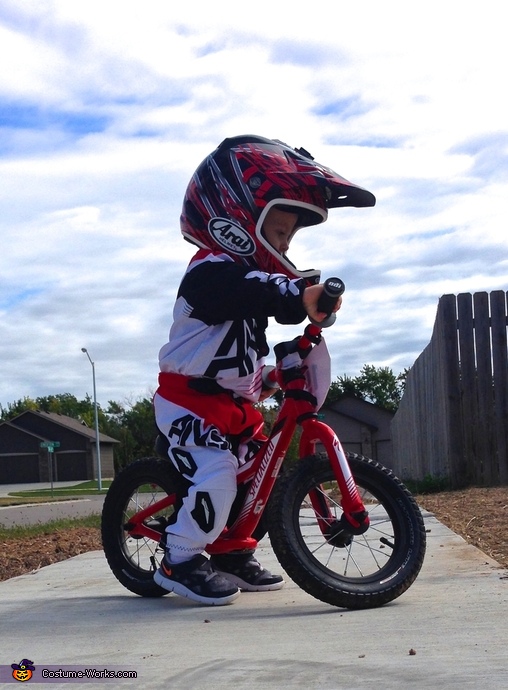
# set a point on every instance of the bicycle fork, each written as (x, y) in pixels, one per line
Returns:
(355, 518)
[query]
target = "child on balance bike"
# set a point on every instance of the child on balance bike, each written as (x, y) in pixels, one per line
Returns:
(242, 208)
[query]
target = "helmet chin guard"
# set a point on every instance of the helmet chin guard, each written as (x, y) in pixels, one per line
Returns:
(234, 188)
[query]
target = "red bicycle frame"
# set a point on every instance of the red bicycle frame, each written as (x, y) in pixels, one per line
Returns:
(299, 407)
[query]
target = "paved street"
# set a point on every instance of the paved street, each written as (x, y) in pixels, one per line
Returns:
(45, 512)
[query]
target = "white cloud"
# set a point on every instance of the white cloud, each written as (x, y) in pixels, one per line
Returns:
(107, 107)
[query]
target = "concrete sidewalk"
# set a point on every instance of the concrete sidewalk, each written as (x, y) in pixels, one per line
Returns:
(454, 617)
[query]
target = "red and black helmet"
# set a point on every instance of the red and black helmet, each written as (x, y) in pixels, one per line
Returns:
(233, 189)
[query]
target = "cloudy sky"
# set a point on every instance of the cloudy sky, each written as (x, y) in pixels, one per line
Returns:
(107, 107)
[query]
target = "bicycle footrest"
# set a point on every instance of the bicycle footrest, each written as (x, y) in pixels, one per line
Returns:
(225, 545)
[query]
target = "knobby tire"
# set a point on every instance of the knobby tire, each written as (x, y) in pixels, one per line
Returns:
(134, 560)
(376, 567)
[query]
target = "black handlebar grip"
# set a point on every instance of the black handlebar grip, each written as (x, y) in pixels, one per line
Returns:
(333, 288)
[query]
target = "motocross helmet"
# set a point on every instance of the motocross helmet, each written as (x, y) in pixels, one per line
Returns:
(234, 188)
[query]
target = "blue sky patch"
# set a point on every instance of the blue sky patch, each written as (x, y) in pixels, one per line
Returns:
(345, 107)
(305, 54)
(21, 116)
(478, 144)
(368, 141)
(489, 153)
(9, 301)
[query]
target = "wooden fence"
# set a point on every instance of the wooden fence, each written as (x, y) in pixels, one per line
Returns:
(453, 418)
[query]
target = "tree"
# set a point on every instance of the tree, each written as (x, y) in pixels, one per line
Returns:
(62, 403)
(16, 408)
(137, 430)
(378, 385)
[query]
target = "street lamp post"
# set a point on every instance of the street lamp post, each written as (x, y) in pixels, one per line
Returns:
(97, 442)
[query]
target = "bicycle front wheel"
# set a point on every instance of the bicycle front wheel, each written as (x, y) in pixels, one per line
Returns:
(364, 571)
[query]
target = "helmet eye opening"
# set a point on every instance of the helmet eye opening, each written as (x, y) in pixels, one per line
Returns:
(304, 211)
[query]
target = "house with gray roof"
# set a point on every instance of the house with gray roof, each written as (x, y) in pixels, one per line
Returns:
(25, 457)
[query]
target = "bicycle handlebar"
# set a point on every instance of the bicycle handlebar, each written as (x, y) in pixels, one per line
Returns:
(333, 288)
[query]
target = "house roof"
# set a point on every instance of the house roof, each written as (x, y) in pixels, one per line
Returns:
(20, 429)
(67, 422)
(361, 410)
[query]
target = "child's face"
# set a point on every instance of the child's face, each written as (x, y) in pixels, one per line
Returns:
(278, 228)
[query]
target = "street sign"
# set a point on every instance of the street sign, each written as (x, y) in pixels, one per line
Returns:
(50, 445)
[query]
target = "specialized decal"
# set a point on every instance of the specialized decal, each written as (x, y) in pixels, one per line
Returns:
(252, 496)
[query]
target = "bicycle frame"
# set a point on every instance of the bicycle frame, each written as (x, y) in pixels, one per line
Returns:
(298, 408)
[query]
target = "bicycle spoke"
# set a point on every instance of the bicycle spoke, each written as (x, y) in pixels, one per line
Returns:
(365, 554)
(141, 551)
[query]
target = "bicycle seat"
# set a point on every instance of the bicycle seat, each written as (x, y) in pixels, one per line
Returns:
(161, 446)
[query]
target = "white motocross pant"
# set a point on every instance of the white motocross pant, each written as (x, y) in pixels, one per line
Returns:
(199, 436)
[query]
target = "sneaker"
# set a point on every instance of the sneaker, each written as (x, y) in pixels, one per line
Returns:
(243, 570)
(196, 580)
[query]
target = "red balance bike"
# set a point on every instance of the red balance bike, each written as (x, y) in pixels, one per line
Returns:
(342, 526)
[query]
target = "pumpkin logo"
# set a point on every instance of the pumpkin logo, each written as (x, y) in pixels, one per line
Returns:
(23, 671)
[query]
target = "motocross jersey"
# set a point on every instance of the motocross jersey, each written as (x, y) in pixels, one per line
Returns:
(220, 318)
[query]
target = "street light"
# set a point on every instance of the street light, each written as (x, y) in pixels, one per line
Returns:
(97, 442)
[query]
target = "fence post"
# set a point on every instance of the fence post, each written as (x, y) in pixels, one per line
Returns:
(485, 450)
(467, 364)
(447, 316)
(500, 382)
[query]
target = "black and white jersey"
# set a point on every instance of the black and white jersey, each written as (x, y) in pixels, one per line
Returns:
(220, 318)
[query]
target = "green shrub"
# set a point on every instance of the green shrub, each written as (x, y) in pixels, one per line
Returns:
(428, 485)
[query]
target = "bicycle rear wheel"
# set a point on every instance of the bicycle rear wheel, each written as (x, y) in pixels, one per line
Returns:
(132, 559)
(373, 568)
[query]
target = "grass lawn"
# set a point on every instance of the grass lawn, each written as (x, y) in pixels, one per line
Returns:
(55, 494)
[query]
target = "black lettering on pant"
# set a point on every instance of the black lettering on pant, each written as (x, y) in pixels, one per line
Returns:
(204, 513)
(184, 461)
